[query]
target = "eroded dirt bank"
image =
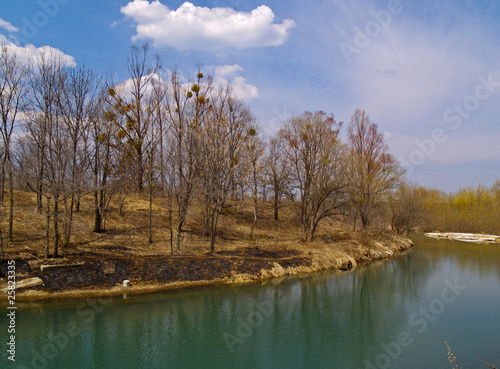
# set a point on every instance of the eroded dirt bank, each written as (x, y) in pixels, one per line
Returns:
(89, 275)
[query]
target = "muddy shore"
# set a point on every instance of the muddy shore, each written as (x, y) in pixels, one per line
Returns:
(92, 275)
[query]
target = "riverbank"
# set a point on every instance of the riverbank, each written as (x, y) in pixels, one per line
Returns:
(91, 275)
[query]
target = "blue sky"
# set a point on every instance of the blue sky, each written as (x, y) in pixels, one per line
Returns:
(427, 72)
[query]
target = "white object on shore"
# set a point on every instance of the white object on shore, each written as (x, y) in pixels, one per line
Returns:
(126, 283)
(466, 237)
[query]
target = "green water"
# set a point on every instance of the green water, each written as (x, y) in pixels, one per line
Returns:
(392, 314)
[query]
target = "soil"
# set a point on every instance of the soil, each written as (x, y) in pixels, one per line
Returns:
(88, 274)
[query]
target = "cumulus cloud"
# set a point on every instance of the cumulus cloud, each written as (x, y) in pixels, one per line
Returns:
(192, 27)
(228, 74)
(223, 75)
(29, 51)
(7, 26)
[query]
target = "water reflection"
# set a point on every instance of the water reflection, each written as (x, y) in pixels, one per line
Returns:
(478, 258)
(325, 320)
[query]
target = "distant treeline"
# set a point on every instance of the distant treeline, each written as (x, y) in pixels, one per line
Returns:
(475, 210)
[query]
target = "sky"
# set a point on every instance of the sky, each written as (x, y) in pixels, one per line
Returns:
(427, 72)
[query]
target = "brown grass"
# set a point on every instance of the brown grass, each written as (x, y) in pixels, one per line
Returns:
(128, 234)
(126, 238)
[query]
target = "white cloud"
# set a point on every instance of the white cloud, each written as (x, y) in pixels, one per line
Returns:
(223, 75)
(192, 27)
(7, 26)
(227, 70)
(228, 74)
(28, 51)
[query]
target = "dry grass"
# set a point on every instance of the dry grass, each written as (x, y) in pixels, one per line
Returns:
(453, 359)
(127, 235)
(276, 249)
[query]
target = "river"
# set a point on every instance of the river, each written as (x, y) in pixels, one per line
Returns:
(389, 314)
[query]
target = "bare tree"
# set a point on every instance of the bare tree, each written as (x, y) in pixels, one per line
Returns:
(224, 133)
(408, 208)
(186, 110)
(47, 134)
(254, 151)
(12, 92)
(278, 173)
(374, 172)
(316, 156)
(102, 155)
(78, 109)
(130, 101)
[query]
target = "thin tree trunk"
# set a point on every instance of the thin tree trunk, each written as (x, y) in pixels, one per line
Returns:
(178, 240)
(171, 231)
(97, 213)
(78, 202)
(47, 230)
(39, 185)
(11, 199)
(255, 214)
(2, 182)
(1, 245)
(150, 221)
(69, 224)
(56, 227)
(39, 199)
(276, 208)
(213, 230)
(180, 221)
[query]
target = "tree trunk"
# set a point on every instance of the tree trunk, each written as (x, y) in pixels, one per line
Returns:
(47, 230)
(56, 227)
(150, 220)
(69, 223)
(255, 214)
(97, 213)
(2, 182)
(39, 186)
(39, 198)
(11, 199)
(140, 171)
(182, 211)
(213, 230)
(78, 202)
(1, 245)
(276, 206)
(171, 231)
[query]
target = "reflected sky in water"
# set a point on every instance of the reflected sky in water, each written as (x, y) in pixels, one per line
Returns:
(391, 314)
